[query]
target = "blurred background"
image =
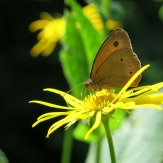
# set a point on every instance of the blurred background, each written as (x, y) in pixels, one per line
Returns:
(22, 77)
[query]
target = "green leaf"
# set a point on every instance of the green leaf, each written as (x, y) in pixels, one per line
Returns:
(160, 13)
(3, 158)
(72, 56)
(92, 39)
(80, 46)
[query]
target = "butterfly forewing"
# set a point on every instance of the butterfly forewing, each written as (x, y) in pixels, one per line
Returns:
(116, 41)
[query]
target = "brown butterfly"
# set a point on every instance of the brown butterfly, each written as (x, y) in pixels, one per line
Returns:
(114, 64)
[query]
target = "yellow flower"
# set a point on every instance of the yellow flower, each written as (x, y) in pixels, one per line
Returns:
(91, 12)
(112, 24)
(53, 29)
(102, 103)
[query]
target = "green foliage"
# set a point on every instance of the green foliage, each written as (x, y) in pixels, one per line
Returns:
(3, 158)
(92, 39)
(79, 47)
(161, 13)
(118, 116)
(73, 56)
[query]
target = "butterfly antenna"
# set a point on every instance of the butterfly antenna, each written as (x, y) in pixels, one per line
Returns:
(81, 93)
(73, 88)
(90, 93)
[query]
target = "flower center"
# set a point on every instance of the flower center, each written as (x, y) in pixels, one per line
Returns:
(98, 101)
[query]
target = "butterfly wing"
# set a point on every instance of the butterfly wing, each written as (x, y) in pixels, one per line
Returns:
(117, 69)
(115, 63)
(116, 41)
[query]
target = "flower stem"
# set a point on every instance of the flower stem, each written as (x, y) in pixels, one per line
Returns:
(105, 122)
(98, 151)
(67, 146)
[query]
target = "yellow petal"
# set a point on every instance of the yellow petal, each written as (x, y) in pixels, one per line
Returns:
(67, 119)
(142, 106)
(95, 125)
(50, 104)
(46, 16)
(112, 25)
(49, 49)
(130, 82)
(65, 95)
(48, 116)
(37, 25)
(38, 48)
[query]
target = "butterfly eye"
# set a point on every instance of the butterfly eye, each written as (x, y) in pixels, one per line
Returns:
(130, 72)
(121, 59)
(116, 43)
